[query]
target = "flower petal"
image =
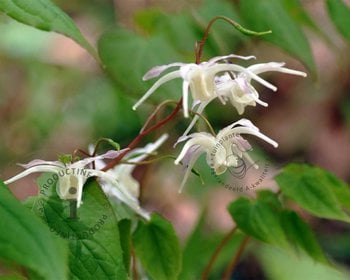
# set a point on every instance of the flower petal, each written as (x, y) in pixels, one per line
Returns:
(140, 154)
(112, 192)
(244, 126)
(36, 162)
(124, 195)
(205, 140)
(34, 169)
(200, 109)
(218, 58)
(157, 70)
(244, 122)
(112, 187)
(189, 160)
(274, 66)
(157, 84)
(218, 68)
(246, 130)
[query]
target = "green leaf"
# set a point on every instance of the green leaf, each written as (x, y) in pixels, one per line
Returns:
(65, 158)
(26, 241)
(91, 230)
(297, 11)
(300, 15)
(158, 248)
(339, 12)
(315, 190)
(127, 57)
(125, 240)
(266, 220)
(340, 189)
(271, 199)
(179, 29)
(258, 219)
(148, 19)
(286, 34)
(300, 234)
(280, 265)
(45, 15)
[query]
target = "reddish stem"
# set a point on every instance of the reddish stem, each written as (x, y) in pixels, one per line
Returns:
(218, 249)
(134, 268)
(199, 45)
(231, 267)
(143, 133)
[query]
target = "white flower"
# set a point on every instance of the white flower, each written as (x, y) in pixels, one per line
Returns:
(238, 89)
(222, 151)
(72, 177)
(123, 173)
(200, 78)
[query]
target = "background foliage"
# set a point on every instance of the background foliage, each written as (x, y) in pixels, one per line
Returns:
(59, 94)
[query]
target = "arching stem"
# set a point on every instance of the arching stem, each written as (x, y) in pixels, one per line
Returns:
(200, 45)
(231, 267)
(206, 272)
(206, 122)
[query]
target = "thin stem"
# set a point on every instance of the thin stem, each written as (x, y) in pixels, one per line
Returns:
(231, 267)
(165, 120)
(98, 143)
(108, 141)
(200, 45)
(155, 112)
(76, 151)
(142, 134)
(206, 272)
(134, 269)
(206, 121)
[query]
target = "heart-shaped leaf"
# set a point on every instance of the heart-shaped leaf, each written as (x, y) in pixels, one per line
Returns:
(158, 248)
(316, 190)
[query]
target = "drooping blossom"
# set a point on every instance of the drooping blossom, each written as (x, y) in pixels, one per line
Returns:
(198, 78)
(123, 174)
(72, 176)
(237, 88)
(223, 150)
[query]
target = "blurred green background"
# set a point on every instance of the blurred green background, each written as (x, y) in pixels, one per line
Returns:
(56, 98)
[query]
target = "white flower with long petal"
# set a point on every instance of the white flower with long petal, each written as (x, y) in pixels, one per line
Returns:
(223, 151)
(199, 78)
(123, 173)
(237, 88)
(72, 177)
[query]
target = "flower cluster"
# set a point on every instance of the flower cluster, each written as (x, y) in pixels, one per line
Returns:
(117, 183)
(217, 78)
(220, 79)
